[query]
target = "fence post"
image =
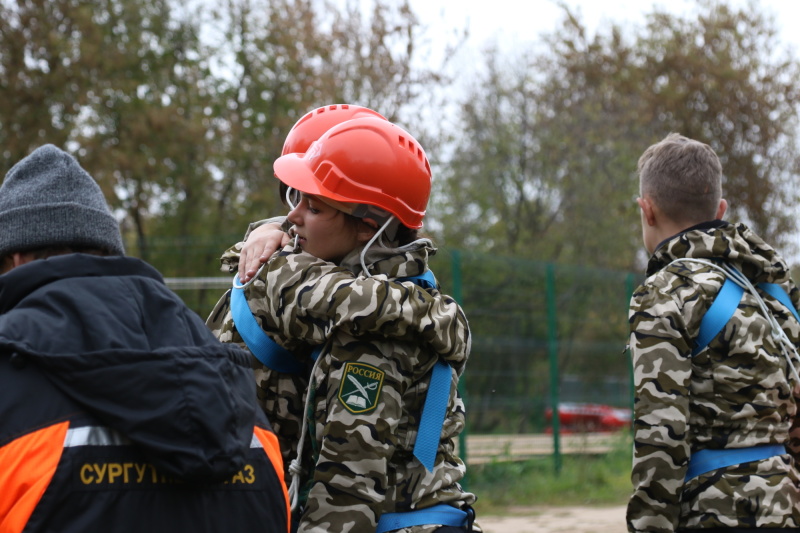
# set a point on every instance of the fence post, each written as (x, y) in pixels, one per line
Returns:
(457, 296)
(629, 288)
(552, 344)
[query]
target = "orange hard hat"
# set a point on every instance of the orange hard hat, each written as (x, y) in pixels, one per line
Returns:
(366, 161)
(313, 124)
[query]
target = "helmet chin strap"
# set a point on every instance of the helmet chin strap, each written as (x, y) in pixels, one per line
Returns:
(370, 243)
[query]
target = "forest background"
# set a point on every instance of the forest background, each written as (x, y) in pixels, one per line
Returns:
(179, 108)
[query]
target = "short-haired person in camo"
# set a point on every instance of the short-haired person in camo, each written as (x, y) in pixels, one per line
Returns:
(347, 285)
(715, 413)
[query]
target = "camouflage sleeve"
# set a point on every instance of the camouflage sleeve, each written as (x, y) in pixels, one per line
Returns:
(793, 446)
(662, 372)
(351, 474)
(258, 223)
(309, 298)
(229, 260)
(280, 395)
(794, 431)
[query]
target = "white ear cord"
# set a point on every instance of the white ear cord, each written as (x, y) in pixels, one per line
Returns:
(787, 347)
(370, 242)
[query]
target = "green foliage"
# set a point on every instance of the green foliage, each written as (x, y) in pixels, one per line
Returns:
(584, 479)
(43, 75)
(723, 78)
(179, 114)
(179, 111)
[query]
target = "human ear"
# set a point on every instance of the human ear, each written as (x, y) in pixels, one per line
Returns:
(19, 259)
(366, 230)
(14, 260)
(723, 207)
(648, 213)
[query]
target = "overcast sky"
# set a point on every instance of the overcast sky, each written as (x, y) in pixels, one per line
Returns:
(509, 22)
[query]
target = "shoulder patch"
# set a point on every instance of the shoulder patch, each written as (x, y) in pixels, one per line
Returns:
(361, 387)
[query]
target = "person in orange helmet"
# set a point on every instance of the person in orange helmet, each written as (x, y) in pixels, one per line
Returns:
(280, 387)
(264, 237)
(352, 294)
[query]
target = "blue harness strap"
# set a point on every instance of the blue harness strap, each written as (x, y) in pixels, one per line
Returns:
(435, 407)
(718, 314)
(725, 304)
(441, 514)
(266, 350)
(426, 280)
(775, 290)
(703, 461)
(433, 412)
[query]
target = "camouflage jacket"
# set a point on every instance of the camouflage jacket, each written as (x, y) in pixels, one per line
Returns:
(280, 395)
(368, 387)
(735, 393)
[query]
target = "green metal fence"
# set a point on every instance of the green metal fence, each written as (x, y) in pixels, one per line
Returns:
(543, 334)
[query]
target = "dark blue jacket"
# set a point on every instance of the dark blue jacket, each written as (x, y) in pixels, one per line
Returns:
(120, 411)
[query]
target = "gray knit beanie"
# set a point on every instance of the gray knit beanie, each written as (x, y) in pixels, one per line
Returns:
(47, 199)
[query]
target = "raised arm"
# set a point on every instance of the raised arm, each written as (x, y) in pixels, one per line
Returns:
(262, 239)
(307, 298)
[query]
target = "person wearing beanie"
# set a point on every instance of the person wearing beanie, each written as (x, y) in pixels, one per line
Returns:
(120, 410)
(48, 200)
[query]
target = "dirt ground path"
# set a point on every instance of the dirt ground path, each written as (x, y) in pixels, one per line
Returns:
(557, 520)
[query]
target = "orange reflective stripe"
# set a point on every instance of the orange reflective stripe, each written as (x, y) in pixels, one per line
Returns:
(269, 441)
(28, 464)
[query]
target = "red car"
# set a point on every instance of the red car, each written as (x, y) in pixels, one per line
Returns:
(588, 417)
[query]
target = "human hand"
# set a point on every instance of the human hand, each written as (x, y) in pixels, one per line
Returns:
(262, 242)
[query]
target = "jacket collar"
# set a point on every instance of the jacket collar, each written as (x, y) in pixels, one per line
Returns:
(23, 280)
(736, 244)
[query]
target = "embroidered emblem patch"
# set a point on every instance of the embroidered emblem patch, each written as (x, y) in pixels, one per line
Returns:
(361, 387)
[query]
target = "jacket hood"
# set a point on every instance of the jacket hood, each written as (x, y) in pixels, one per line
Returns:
(400, 262)
(735, 244)
(110, 336)
(189, 409)
(409, 261)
